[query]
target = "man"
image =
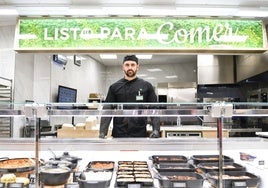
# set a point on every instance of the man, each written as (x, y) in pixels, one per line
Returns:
(130, 89)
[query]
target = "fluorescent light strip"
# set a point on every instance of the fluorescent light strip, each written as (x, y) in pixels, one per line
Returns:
(108, 56)
(150, 78)
(8, 11)
(170, 77)
(154, 70)
(142, 75)
(144, 56)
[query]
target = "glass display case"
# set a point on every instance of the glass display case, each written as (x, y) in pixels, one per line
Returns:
(231, 161)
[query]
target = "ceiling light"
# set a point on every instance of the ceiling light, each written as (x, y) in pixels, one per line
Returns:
(86, 11)
(42, 10)
(70, 57)
(247, 12)
(150, 78)
(206, 11)
(8, 11)
(170, 77)
(122, 10)
(142, 75)
(154, 70)
(144, 56)
(108, 56)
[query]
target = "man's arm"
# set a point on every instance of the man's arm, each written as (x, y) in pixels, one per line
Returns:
(155, 119)
(105, 121)
(104, 126)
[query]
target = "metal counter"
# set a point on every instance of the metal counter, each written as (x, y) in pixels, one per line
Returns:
(141, 144)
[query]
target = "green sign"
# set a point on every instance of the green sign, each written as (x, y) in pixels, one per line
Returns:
(138, 33)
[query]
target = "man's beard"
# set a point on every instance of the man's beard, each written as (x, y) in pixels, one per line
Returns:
(130, 73)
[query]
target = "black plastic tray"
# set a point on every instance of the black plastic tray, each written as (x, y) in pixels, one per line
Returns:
(93, 184)
(209, 158)
(91, 164)
(170, 167)
(86, 183)
(211, 167)
(168, 159)
(138, 184)
(253, 181)
(133, 180)
(168, 183)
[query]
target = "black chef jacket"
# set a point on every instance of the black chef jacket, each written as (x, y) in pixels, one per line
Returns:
(124, 91)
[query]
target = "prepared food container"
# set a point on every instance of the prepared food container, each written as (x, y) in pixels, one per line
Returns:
(21, 167)
(95, 179)
(16, 165)
(209, 158)
(180, 179)
(168, 159)
(170, 167)
(100, 165)
(234, 179)
(228, 166)
(133, 173)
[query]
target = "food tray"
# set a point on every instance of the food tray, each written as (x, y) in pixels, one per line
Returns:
(228, 166)
(166, 180)
(141, 178)
(168, 159)
(170, 167)
(95, 179)
(16, 165)
(133, 173)
(209, 158)
(93, 184)
(100, 165)
(237, 179)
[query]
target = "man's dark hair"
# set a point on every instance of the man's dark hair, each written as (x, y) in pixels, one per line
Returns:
(131, 58)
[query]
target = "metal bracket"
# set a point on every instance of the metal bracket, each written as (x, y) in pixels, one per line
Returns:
(222, 109)
(40, 110)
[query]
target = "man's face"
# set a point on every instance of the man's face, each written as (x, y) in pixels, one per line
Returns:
(130, 68)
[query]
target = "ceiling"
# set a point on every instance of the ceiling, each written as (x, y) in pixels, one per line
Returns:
(10, 10)
(157, 59)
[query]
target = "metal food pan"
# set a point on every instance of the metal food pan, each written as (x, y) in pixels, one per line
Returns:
(170, 167)
(167, 182)
(14, 165)
(168, 159)
(91, 166)
(209, 158)
(232, 182)
(211, 167)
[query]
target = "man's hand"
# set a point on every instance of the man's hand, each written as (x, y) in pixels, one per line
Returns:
(155, 134)
(102, 135)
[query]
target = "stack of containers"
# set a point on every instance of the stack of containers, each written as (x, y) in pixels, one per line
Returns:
(233, 175)
(174, 171)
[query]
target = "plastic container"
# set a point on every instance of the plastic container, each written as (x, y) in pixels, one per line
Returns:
(237, 179)
(209, 158)
(168, 159)
(167, 182)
